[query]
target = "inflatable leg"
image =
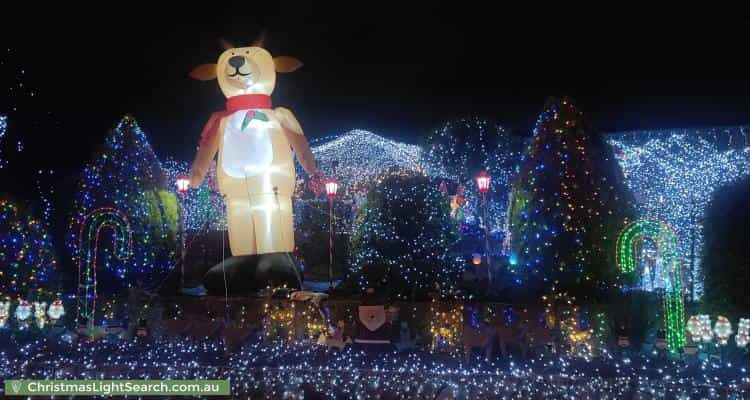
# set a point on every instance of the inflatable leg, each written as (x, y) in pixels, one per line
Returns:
(273, 222)
(242, 239)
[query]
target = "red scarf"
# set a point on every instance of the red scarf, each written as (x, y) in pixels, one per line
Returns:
(234, 104)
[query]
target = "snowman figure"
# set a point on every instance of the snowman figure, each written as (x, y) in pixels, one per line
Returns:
(56, 310)
(23, 312)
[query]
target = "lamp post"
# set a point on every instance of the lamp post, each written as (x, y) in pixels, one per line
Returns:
(183, 184)
(331, 187)
(483, 183)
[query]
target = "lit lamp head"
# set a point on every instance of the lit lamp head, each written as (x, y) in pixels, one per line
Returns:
(476, 258)
(182, 183)
(483, 181)
(331, 188)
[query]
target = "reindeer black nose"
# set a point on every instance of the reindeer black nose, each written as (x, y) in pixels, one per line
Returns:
(237, 61)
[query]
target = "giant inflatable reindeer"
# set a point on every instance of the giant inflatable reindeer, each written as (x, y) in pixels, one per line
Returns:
(254, 142)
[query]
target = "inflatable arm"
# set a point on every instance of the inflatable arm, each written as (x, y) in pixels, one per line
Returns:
(297, 140)
(207, 149)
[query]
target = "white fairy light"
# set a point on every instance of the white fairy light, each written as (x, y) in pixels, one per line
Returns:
(673, 175)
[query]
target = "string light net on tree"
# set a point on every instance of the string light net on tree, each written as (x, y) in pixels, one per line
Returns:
(568, 203)
(673, 175)
(460, 149)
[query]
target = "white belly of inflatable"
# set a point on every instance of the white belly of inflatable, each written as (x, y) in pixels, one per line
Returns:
(246, 152)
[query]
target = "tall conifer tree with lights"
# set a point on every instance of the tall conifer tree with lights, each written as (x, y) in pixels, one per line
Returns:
(403, 236)
(568, 203)
(126, 175)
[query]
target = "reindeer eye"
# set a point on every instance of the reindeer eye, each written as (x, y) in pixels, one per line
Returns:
(247, 51)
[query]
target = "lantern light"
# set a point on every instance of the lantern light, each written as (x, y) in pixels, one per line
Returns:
(183, 183)
(483, 182)
(331, 187)
(476, 258)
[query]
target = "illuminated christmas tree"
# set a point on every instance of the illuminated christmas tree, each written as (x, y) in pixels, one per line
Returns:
(404, 238)
(460, 149)
(568, 204)
(125, 176)
(27, 257)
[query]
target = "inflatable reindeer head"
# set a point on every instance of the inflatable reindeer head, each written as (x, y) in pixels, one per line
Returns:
(246, 70)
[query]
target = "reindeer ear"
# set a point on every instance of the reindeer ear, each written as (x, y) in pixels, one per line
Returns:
(204, 72)
(286, 64)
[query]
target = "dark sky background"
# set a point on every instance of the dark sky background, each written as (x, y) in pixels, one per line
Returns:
(398, 72)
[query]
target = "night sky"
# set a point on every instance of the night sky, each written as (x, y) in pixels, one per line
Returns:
(398, 72)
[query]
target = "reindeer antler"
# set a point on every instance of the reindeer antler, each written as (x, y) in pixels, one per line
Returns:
(225, 44)
(261, 38)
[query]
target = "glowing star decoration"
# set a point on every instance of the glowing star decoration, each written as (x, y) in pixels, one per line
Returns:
(94, 223)
(694, 328)
(666, 242)
(56, 310)
(4, 313)
(23, 310)
(673, 175)
(723, 329)
(254, 143)
(743, 332)
(707, 333)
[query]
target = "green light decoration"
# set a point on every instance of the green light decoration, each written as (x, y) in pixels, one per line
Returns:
(667, 249)
(90, 233)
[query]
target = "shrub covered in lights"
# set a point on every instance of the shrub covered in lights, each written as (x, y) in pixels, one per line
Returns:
(460, 149)
(28, 268)
(403, 237)
(568, 203)
(127, 176)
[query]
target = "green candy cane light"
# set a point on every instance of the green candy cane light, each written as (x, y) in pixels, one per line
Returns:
(666, 242)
